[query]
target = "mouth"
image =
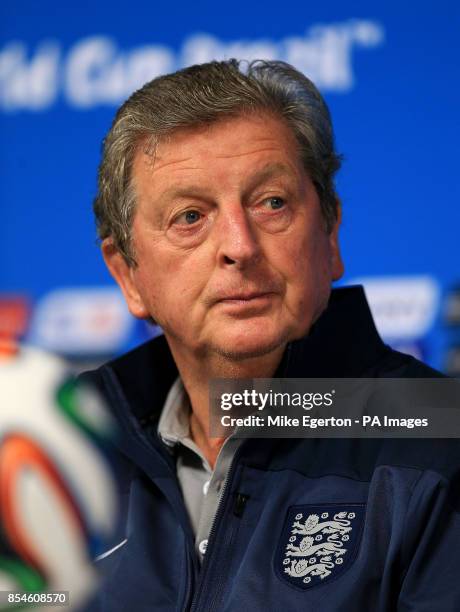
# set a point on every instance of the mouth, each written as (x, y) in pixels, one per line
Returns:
(254, 301)
(244, 297)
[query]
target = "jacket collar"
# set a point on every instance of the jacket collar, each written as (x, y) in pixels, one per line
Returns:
(343, 343)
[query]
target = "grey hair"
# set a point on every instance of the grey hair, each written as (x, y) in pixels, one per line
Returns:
(200, 95)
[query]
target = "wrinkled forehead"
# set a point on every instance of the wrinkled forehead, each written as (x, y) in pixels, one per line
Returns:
(263, 146)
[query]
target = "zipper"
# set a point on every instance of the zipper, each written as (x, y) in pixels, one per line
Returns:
(214, 603)
(199, 599)
(206, 569)
(191, 573)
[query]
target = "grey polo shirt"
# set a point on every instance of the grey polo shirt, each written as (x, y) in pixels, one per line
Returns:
(201, 486)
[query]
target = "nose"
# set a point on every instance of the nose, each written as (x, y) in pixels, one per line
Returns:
(238, 244)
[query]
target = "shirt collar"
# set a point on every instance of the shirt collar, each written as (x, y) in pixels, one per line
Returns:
(174, 423)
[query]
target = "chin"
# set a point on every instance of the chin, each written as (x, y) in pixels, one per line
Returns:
(249, 346)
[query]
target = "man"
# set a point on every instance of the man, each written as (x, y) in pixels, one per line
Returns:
(219, 220)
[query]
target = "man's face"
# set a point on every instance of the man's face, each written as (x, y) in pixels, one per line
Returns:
(231, 248)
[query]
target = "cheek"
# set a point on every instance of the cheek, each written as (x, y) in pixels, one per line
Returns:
(171, 282)
(148, 288)
(308, 271)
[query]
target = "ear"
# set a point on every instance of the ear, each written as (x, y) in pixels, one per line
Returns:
(125, 276)
(337, 267)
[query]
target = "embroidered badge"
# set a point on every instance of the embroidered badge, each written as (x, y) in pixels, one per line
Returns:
(319, 543)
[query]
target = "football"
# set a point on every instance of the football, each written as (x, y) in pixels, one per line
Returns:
(58, 491)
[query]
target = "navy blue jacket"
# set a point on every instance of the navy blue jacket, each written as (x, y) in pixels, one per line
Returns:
(303, 524)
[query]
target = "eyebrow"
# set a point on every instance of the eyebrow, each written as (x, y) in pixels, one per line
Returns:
(189, 191)
(270, 171)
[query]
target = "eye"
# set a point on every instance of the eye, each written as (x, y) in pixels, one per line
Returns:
(274, 203)
(189, 217)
